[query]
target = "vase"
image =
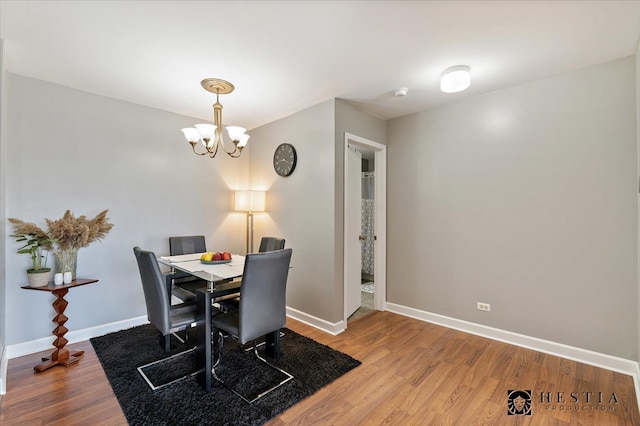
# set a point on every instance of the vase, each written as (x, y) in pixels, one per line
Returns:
(67, 261)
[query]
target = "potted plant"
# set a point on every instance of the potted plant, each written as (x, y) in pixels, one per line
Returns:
(35, 245)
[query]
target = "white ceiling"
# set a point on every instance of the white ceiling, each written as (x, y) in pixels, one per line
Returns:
(284, 56)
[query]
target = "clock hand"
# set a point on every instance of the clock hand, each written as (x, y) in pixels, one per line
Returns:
(285, 161)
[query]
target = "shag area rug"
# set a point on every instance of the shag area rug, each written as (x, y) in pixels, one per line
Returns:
(312, 364)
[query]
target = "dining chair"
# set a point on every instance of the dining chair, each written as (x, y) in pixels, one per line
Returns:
(187, 245)
(164, 316)
(270, 244)
(167, 318)
(266, 244)
(262, 309)
(182, 284)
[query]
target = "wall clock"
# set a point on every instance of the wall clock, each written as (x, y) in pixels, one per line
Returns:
(284, 159)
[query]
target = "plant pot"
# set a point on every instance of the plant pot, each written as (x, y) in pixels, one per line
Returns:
(39, 278)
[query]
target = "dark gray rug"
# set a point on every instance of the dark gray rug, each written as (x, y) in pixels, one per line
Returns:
(185, 403)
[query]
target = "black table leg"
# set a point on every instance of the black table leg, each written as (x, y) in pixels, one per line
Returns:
(203, 339)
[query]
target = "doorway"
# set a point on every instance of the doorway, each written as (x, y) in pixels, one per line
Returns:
(364, 227)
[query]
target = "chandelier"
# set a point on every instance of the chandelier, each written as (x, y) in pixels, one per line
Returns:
(211, 135)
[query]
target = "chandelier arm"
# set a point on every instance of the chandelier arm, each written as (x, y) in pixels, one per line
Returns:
(231, 152)
(214, 150)
(193, 146)
(232, 155)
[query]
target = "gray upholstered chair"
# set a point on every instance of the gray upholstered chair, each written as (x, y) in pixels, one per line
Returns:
(266, 244)
(271, 244)
(262, 307)
(165, 317)
(183, 285)
(187, 245)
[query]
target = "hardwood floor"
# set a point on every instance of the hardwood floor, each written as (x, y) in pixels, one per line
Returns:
(412, 373)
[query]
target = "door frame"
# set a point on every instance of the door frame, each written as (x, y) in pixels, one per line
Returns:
(380, 245)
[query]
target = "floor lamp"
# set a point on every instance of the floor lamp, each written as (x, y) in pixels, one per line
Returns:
(250, 202)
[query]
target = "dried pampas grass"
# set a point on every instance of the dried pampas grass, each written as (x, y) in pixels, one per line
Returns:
(68, 232)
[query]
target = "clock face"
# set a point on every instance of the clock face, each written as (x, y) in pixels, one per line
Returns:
(284, 159)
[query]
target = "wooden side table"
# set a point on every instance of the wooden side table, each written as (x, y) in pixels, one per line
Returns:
(60, 355)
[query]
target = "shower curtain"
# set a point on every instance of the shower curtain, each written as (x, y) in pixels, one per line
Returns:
(368, 220)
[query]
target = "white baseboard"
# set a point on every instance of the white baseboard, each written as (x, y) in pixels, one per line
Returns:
(331, 328)
(44, 344)
(609, 362)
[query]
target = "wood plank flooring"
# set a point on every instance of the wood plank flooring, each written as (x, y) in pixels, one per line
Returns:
(412, 373)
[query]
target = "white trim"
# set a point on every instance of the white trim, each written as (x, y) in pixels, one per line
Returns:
(349, 297)
(609, 362)
(4, 363)
(636, 383)
(380, 255)
(44, 344)
(326, 326)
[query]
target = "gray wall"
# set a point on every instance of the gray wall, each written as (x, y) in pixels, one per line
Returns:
(300, 206)
(69, 149)
(524, 198)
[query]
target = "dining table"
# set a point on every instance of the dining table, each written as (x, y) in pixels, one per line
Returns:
(219, 279)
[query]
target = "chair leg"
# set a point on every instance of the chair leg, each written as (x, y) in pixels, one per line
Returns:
(219, 343)
(166, 342)
(273, 349)
(154, 387)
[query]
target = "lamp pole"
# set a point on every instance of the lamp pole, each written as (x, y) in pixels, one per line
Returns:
(249, 232)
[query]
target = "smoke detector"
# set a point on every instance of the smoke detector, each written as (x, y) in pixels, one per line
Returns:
(398, 93)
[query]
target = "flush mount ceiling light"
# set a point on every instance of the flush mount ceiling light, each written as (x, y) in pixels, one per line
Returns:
(455, 79)
(210, 135)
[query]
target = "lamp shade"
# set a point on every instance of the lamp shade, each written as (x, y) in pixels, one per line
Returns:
(243, 140)
(235, 132)
(191, 134)
(249, 201)
(206, 130)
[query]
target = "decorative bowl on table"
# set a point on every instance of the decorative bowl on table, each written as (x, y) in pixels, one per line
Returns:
(214, 258)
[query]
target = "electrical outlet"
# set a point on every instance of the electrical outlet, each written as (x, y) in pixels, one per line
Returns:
(484, 306)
